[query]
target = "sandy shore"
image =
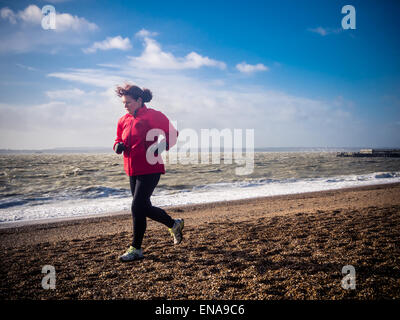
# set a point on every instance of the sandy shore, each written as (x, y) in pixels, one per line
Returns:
(283, 247)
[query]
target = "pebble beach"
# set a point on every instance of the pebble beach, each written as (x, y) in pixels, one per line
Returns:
(290, 247)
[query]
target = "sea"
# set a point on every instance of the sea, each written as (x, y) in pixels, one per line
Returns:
(52, 185)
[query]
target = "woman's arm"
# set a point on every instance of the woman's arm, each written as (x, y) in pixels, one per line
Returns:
(118, 146)
(171, 134)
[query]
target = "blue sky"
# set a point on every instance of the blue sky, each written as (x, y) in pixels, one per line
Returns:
(286, 69)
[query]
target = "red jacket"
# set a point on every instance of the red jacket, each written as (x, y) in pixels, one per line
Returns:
(132, 131)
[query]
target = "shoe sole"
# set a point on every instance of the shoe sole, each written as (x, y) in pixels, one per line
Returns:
(136, 259)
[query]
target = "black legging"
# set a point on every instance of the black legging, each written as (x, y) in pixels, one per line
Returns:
(142, 187)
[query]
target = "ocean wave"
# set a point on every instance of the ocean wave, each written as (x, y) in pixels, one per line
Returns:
(323, 182)
(372, 177)
(385, 175)
(95, 192)
(12, 203)
(101, 192)
(101, 199)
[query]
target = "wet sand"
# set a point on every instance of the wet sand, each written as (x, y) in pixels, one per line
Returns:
(282, 247)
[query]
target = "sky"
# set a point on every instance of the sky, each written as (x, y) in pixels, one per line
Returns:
(286, 69)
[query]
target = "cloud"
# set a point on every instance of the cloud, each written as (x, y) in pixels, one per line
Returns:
(33, 15)
(143, 33)
(278, 118)
(65, 21)
(65, 94)
(325, 31)
(62, 121)
(24, 32)
(248, 68)
(196, 102)
(94, 77)
(110, 43)
(25, 67)
(8, 14)
(155, 58)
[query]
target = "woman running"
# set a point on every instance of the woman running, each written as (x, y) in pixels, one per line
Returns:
(143, 163)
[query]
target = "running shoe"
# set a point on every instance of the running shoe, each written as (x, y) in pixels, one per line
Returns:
(176, 231)
(131, 254)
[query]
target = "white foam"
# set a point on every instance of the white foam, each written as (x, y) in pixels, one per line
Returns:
(201, 194)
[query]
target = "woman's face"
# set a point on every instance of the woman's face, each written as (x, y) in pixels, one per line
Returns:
(131, 104)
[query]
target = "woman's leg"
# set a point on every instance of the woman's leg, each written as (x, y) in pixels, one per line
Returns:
(142, 188)
(138, 218)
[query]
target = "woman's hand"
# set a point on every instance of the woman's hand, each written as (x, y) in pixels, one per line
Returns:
(119, 147)
(158, 148)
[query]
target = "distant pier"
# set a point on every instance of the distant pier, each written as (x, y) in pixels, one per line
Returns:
(392, 153)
